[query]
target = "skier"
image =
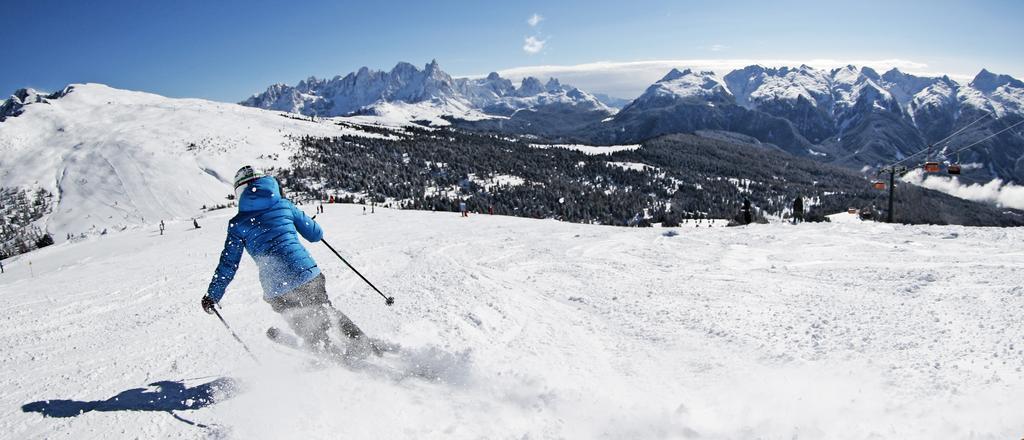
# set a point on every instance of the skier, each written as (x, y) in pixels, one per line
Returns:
(747, 214)
(268, 227)
(161, 227)
(798, 209)
(462, 209)
(195, 223)
(1, 266)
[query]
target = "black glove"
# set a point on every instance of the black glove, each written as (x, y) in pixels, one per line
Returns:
(208, 304)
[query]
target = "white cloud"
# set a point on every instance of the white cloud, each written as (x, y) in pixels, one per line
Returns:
(718, 47)
(629, 79)
(534, 20)
(533, 45)
(995, 191)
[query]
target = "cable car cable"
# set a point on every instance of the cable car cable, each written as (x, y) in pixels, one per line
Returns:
(986, 138)
(928, 148)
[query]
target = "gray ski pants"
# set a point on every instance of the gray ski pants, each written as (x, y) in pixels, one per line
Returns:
(310, 314)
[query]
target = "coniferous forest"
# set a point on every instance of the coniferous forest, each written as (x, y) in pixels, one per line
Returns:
(668, 180)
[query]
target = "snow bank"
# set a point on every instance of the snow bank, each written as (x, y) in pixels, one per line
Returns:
(400, 114)
(590, 150)
(632, 166)
(489, 182)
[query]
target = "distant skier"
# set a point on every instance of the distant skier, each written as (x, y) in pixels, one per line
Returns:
(1, 266)
(195, 223)
(798, 210)
(748, 216)
(268, 227)
(462, 209)
(161, 227)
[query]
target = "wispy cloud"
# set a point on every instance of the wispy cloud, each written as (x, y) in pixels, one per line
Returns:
(629, 79)
(995, 191)
(534, 20)
(533, 45)
(717, 47)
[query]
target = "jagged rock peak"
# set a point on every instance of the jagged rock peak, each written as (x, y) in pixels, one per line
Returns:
(988, 82)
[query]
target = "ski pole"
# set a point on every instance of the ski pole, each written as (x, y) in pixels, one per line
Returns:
(388, 300)
(246, 347)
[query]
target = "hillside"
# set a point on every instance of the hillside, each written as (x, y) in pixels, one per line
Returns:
(115, 158)
(665, 180)
(539, 329)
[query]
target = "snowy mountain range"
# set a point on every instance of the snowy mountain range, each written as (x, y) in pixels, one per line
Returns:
(851, 115)
(374, 92)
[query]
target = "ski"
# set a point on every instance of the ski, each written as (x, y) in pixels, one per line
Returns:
(375, 346)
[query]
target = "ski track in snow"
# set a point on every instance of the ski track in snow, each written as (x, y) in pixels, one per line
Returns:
(539, 329)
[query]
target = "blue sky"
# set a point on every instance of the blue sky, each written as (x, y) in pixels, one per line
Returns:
(227, 50)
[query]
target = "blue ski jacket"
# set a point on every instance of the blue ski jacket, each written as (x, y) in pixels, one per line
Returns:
(268, 227)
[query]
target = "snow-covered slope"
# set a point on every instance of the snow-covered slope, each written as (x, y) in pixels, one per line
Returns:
(115, 158)
(540, 329)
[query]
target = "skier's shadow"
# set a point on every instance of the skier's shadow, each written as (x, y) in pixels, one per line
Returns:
(167, 396)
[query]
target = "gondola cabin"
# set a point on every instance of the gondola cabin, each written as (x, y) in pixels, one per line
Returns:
(931, 167)
(953, 169)
(879, 185)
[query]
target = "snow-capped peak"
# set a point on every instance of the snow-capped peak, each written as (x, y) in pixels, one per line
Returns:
(988, 82)
(853, 86)
(529, 87)
(674, 74)
(755, 84)
(553, 85)
(15, 105)
(999, 94)
(912, 91)
(687, 84)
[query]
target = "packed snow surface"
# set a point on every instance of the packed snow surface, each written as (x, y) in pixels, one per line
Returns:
(532, 329)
